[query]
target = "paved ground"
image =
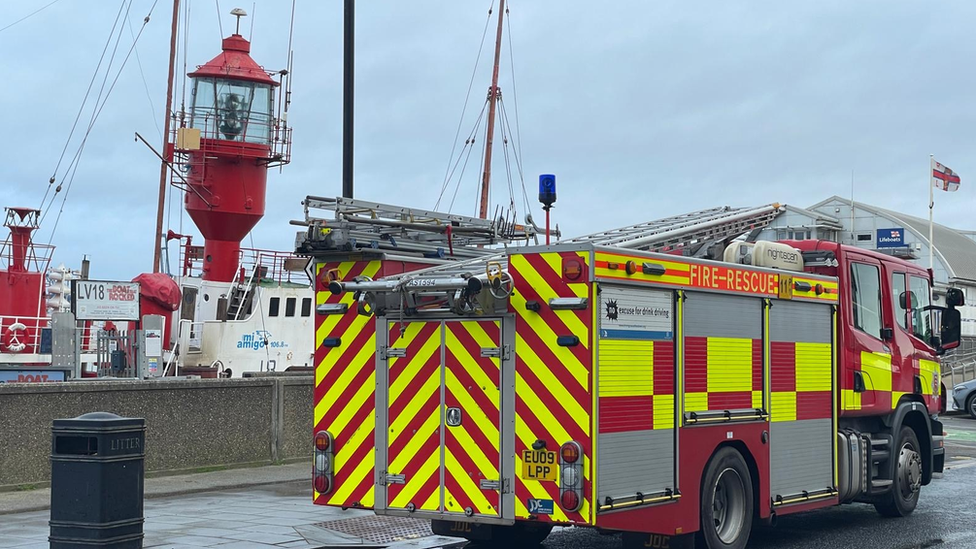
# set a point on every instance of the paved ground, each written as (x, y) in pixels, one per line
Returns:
(35, 500)
(961, 437)
(252, 518)
(265, 516)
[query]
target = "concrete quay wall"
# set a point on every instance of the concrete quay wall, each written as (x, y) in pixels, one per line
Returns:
(190, 424)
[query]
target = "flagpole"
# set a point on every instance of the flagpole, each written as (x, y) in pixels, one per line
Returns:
(931, 205)
(853, 238)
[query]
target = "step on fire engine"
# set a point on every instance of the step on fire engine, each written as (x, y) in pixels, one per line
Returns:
(595, 383)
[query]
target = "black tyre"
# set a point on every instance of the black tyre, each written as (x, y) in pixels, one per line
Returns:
(526, 534)
(905, 487)
(520, 534)
(971, 405)
(726, 507)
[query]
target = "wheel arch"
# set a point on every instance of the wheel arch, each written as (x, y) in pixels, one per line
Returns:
(740, 446)
(911, 413)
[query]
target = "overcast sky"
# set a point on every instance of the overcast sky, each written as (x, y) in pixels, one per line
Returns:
(642, 109)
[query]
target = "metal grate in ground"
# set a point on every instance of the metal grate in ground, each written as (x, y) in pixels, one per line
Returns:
(380, 529)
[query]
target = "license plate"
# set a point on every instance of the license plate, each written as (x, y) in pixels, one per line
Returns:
(539, 465)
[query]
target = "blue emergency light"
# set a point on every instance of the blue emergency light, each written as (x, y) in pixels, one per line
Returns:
(547, 190)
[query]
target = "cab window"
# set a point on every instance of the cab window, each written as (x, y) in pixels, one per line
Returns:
(921, 318)
(866, 298)
(897, 289)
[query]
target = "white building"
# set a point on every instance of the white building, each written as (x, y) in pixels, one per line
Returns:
(893, 233)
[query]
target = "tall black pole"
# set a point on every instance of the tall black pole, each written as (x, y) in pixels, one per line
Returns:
(349, 31)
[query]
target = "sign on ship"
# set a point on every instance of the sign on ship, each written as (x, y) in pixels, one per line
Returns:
(105, 300)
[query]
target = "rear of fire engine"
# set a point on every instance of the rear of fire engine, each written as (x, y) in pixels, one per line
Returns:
(591, 385)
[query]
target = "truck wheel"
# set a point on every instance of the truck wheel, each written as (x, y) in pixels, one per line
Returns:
(726, 502)
(901, 500)
(971, 405)
(527, 534)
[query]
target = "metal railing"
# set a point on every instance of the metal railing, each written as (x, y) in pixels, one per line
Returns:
(37, 259)
(23, 335)
(960, 372)
(262, 265)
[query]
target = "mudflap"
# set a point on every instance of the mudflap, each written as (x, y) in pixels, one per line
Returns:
(938, 447)
(635, 540)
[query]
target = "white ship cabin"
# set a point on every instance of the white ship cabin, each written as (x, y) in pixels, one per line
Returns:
(261, 322)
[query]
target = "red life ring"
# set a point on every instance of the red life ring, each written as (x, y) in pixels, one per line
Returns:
(14, 337)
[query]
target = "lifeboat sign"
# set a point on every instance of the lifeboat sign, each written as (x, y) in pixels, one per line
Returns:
(104, 300)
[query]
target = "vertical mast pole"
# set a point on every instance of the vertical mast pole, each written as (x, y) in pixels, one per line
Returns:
(348, 72)
(492, 100)
(931, 205)
(158, 239)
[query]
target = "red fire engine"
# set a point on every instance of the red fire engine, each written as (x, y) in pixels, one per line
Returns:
(595, 383)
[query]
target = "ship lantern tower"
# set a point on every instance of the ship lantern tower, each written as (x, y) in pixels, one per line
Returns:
(232, 138)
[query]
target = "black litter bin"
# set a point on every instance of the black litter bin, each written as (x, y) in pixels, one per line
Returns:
(97, 481)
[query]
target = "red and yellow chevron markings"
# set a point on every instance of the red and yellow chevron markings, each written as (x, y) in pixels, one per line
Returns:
(471, 452)
(552, 383)
(345, 389)
(414, 416)
(722, 373)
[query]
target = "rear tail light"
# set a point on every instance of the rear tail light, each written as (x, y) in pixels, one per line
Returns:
(322, 484)
(323, 441)
(322, 468)
(571, 476)
(570, 501)
(570, 452)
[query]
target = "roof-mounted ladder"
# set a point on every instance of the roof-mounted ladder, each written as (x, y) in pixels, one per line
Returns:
(694, 230)
(359, 225)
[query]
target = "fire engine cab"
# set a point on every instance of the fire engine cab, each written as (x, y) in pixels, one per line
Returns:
(593, 383)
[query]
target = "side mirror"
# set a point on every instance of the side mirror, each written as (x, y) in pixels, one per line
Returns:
(955, 298)
(907, 301)
(951, 329)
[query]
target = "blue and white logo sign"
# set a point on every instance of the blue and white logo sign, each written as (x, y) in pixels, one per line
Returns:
(539, 506)
(260, 339)
(891, 238)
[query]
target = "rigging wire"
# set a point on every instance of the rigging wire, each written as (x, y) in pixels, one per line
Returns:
(29, 15)
(101, 90)
(508, 163)
(517, 153)
(468, 142)
(99, 108)
(254, 9)
(183, 22)
(464, 108)
(81, 108)
(145, 84)
(477, 197)
(518, 126)
(185, 49)
(220, 24)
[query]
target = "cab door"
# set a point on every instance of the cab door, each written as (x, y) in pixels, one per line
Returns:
(867, 385)
(903, 349)
(921, 329)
